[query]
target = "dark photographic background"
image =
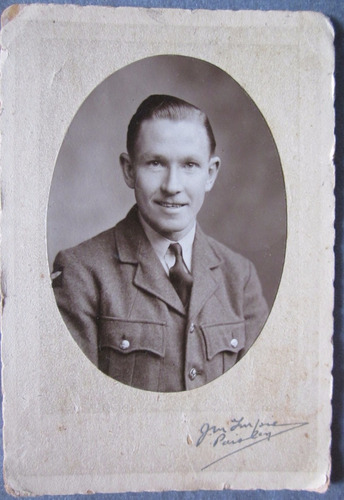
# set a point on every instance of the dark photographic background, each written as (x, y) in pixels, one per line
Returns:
(246, 210)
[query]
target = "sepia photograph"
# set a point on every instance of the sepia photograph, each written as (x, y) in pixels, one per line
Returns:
(167, 250)
(174, 294)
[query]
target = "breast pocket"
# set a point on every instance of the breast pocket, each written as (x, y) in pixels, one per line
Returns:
(131, 351)
(223, 343)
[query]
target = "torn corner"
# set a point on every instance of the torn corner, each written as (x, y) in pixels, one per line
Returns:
(10, 13)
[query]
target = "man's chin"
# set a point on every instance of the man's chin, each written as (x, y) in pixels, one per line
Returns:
(173, 233)
(172, 228)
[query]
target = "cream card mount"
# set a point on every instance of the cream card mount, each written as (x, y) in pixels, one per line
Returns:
(72, 78)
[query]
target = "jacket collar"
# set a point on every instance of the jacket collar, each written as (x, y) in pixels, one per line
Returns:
(129, 234)
(134, 248)
(204, 262)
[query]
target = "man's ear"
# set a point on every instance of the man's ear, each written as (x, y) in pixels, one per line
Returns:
(213, 170)
(128, 170)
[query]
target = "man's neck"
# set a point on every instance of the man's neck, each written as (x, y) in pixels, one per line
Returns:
(160, 243)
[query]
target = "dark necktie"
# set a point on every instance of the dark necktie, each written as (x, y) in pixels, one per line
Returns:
(180, 278)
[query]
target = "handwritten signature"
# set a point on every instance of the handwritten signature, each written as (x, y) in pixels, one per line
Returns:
(242, 434)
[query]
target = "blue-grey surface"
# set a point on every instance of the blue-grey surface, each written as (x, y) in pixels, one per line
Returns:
(335, 10)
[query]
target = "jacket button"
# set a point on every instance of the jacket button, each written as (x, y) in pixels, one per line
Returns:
(234, 342)
(124, 344)
(192, 374)
(192, 328)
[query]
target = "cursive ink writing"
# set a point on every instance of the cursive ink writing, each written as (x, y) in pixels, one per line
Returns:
(241, 434)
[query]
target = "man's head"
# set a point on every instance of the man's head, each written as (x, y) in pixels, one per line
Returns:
(169, 107)
(170, 163)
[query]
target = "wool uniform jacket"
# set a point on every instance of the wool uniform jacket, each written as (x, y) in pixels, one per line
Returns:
(121, 308)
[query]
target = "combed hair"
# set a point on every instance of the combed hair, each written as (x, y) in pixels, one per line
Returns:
(166, 106)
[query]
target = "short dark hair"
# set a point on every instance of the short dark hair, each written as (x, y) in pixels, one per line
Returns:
(166, 106)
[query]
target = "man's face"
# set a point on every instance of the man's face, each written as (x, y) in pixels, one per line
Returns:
(171, 172)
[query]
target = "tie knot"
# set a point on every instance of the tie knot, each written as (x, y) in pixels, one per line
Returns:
(176, 249)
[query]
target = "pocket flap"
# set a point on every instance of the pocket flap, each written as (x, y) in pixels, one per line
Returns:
(223, 337)
(128, 336)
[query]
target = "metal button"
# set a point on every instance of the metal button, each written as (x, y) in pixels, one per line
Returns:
(192, 328)
(124, 344)
(234, 342)
(192, 374)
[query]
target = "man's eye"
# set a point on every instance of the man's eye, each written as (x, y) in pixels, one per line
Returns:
(190, 165)
(154, 163)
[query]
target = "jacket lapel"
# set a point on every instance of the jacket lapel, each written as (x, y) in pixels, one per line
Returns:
(134, 248)
(204, 260)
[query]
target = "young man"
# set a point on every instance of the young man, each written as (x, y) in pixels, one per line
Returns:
(154, 302)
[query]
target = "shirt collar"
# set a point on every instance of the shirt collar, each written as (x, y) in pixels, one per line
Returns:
(160, 244)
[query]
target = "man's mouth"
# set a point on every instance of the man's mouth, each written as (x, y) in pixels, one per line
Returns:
(170, 205)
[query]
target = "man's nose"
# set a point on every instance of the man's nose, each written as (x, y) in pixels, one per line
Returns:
(172, 180)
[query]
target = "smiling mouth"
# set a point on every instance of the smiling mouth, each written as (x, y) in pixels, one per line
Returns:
(170, 205)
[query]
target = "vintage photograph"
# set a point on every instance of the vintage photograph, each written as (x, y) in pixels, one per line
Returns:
(174, 294)
(167, 249)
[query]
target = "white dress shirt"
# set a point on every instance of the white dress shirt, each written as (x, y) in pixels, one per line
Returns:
(161, 245)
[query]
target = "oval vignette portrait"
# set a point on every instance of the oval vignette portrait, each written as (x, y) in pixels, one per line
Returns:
(167, 224)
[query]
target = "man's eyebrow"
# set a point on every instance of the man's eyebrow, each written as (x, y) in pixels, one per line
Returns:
(192, 159)
(150, 156)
